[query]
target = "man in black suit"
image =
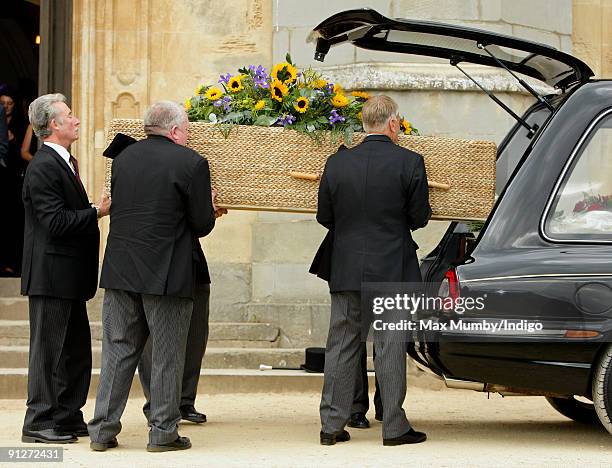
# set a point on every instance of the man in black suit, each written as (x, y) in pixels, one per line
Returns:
(371, 196)
(60, 273)
(162, 202)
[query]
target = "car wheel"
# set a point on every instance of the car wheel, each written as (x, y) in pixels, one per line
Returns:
(576, 410)
(602, 389)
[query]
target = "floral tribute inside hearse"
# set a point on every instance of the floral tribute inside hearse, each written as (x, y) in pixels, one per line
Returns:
(267, 135)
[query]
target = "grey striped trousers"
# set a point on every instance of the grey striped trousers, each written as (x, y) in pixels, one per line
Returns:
(127, 320)
(342, 364)
(197, 339)
(59, 363)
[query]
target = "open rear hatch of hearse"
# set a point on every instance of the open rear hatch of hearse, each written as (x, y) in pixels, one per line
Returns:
(368, 29)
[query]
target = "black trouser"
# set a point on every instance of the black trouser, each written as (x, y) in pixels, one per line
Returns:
(59, 369)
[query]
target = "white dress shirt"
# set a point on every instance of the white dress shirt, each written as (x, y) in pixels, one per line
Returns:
(63, 152)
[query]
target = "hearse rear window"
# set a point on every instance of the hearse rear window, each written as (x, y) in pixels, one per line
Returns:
(582, 208)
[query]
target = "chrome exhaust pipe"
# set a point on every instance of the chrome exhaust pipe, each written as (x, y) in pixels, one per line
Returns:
(503, 390)
(464, 384)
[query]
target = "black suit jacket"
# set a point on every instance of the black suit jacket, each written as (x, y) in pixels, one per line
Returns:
(161, 204)
(4, 141)
(371, 196)
(61, 236)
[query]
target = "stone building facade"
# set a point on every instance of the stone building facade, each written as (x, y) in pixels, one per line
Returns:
(129, 53)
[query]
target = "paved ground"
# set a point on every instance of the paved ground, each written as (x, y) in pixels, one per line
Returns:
(464, 428)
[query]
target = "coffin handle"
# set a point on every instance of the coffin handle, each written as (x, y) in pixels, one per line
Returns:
(315, 177)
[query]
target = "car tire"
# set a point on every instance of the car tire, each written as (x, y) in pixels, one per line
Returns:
(576, 410)
(602, 389)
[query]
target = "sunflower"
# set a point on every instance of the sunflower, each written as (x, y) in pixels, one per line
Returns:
(338, 89)
(360, 94)
(320, 83)
(260, 104)
(301, 105)
(213, 93)
(278, 89)
(188, 104)
(235, 84)
(284, 72)
(339, 100)
(200, 90)
(406, 127)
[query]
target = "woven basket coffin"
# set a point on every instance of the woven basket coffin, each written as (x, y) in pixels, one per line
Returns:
(254, 168)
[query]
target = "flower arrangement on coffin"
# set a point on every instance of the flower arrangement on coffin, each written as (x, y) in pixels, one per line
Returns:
(286, 97)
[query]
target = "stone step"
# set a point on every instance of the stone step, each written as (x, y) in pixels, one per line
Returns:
(16, 356)
(13, 382)
(10, 287)
(227, 334)
(14, 308)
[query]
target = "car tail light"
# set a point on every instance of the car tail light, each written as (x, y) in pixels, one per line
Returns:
(449, 288)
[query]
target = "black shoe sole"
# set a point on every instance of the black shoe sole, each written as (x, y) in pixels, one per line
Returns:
(358, 426)
(195, 421)
(102, 447)
(33, 439)
(167, 448)
(329, 441)
(391, 443)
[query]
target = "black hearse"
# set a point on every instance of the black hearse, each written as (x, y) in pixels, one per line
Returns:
(545, 252)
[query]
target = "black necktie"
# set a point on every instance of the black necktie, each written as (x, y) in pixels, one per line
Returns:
(75, 164)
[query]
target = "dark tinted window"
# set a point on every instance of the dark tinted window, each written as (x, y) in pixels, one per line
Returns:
(515, 147)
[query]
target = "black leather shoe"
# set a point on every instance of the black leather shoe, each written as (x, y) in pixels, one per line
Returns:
(181, 443)
(359, 421)
(410, 437)
(189, 413)
(47, 436)
(78, 431)
(331, 439)
(104, 446)
(378, 417)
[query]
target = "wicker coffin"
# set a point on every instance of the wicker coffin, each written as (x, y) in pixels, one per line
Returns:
(251, 168)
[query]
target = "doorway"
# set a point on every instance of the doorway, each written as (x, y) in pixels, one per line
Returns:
(36, 58)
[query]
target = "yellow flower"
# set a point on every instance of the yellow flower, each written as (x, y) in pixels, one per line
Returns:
(318, 84)
(339, 100)
(301, 105)
(284, 72)
(260, 104)
(188, 104)
(359, 116)
(200, 90)
(278, 89)
(405, 125)
(338, 89)
(360, 94)
(235, 84)
(213, 93)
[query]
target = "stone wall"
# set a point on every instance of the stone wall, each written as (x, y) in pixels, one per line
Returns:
(129, 53)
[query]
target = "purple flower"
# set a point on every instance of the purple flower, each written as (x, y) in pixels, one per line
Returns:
(218, 103)
(260, 76)
(329, 88)
(286, 120)
(261, 81)
(334, 117)
(224, 78)
(226, 103)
